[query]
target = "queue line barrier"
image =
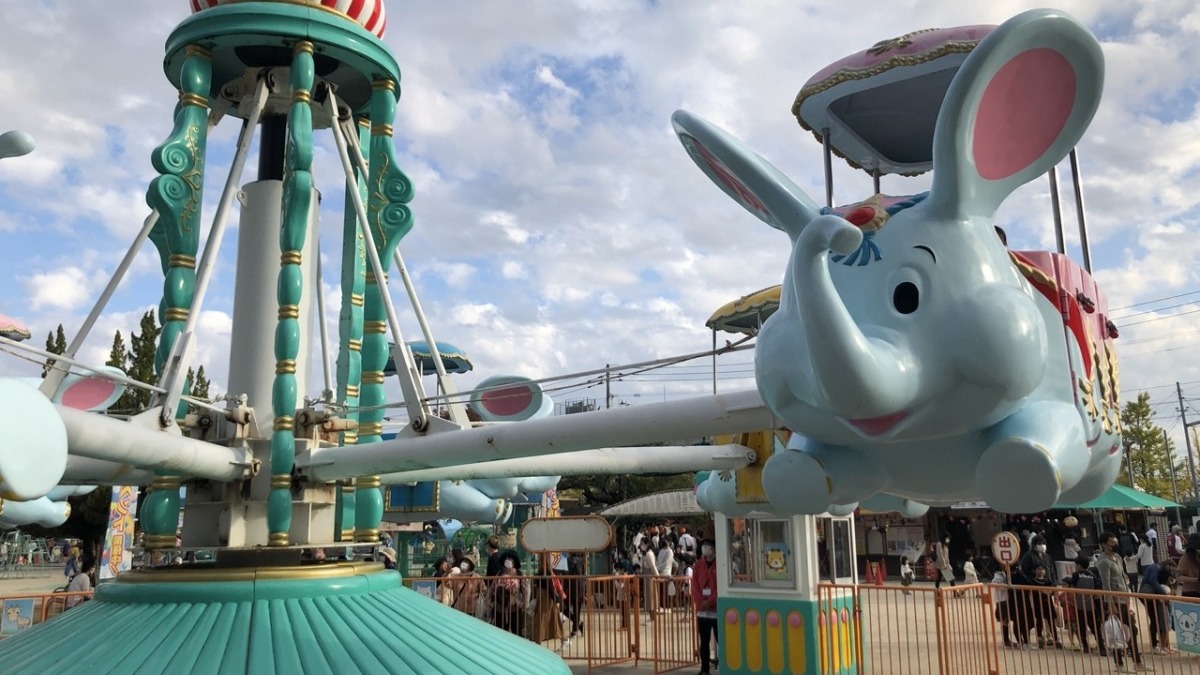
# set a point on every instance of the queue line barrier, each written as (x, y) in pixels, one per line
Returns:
(997, 629)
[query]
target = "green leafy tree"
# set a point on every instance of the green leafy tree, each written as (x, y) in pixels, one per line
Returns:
(56, 343)
(1149, 451)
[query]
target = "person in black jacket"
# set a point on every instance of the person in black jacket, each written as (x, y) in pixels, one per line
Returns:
(1088, 611)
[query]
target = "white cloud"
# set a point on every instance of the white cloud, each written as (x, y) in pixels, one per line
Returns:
(63, 289)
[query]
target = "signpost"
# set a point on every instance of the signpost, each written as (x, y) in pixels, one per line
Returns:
(1006, 550)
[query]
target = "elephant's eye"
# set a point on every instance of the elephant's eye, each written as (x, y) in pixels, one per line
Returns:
(906, 297)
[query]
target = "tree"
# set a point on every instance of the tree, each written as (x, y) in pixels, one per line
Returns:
(56, 343)
(200, 383)
(1150, 453)
(140, 364)
(117, 356)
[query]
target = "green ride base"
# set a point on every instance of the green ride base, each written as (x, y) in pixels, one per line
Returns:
(342, 618)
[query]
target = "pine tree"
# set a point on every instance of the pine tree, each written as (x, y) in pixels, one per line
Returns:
(56, 343)
(140, 364)
(200, 383)
(117, 357)
(1149, 452)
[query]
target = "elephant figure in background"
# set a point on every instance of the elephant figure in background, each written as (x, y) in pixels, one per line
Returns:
(915, 358)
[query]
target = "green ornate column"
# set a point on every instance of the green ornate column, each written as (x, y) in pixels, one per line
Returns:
(389, 220)
(297, 204)
(350, 329)
(177, 194)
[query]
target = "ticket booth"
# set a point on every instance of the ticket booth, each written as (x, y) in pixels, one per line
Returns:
(772, 617)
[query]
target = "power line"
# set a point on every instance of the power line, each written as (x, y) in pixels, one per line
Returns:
(1159, 318)
(1149, 302)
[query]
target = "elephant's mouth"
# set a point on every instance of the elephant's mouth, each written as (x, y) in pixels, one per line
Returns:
(877, 426)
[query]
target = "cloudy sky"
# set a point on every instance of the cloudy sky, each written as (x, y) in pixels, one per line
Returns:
(559, 225)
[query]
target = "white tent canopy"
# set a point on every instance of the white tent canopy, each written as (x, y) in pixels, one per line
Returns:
(668, 503)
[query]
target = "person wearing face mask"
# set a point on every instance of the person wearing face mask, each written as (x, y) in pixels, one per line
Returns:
(941, 561)
(509, 595)
(1111, 570)
(468, 596)
(704, 597)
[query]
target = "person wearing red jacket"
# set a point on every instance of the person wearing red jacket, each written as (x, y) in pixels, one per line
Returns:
(704, 596)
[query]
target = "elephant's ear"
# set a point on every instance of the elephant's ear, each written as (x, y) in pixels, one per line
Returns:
(744, 175)
(1017, 106)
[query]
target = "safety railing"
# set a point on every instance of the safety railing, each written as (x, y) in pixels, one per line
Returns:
(674, 642)
(600, 620)
(990, 629)
(19, 612)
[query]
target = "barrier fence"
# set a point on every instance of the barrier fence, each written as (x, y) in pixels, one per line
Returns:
(600, 620)
(18, 612)
(990, 629)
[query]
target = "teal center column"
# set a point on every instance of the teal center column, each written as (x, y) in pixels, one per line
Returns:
(350, 329)
(389, 219)
(297, 204)
(177, 195)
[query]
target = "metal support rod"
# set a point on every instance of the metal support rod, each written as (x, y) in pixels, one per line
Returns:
(828, 167)
(714, 357)
(326, 366)
(1056, 210)
(664, 460)
(178, 362)
(621, 426)
(875, 180)
(79, 364)
(56, 375)
(448, 392)
(1187, 439)
(410, 384)
(458, 411)
(100, 437)
(1174, 485)
(1077, 181)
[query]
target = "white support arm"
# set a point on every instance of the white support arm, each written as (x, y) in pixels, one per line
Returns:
(686, 418)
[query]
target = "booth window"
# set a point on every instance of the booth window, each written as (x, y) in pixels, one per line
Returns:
(834, 560)
(760, 552)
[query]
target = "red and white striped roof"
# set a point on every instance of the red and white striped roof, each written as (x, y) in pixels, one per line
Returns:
(369, 14)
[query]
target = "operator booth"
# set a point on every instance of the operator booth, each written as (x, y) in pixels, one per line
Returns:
(773, 617)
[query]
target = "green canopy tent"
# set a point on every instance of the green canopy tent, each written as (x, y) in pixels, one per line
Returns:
(1122, 497)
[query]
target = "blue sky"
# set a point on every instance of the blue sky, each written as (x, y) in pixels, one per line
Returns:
(559, 225)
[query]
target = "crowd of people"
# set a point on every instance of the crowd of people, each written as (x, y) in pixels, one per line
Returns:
(1099, 614)
(546, 604)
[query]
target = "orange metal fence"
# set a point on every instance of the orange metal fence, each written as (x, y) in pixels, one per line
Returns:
(600, 620)
(997, 629)
(24, 611)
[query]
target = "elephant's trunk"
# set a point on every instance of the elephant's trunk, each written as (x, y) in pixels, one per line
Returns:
(867, 381)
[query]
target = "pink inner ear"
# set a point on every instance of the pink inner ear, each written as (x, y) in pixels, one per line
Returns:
(88, 393)
(1022, 112)
(727, 177)
(507, 402)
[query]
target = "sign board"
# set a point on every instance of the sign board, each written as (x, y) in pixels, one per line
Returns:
(571, 533)
(1006, 548)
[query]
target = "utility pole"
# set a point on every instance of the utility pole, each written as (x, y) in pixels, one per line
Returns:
(1187, 439)
(1129, 462)
(607, 386)
(1174, 485)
